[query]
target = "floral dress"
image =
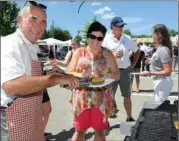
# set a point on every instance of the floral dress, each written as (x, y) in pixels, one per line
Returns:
(86, 97)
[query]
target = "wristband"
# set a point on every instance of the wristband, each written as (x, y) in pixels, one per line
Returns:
(149, 73)
(109, 76)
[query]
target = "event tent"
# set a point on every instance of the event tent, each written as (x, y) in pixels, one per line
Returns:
(52, 41)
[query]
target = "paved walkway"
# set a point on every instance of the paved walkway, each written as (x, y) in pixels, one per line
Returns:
(60, 122)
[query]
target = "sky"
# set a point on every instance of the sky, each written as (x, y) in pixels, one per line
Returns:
(139, 16)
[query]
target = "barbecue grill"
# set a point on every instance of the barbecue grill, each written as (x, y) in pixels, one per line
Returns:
(156, 124)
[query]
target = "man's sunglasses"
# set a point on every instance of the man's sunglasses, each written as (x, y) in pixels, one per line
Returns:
(93, 37)
(37, 4)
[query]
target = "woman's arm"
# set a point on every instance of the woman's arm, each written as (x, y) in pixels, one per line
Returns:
(66, 61)
(114, 74)
(71, 69)
(165, 57)
(167, 69)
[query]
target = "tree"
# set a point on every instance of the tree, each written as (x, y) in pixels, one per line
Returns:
(57, 33)
(172, 32)
(85, 30)
(144, 36)
(8, 14)
(127, 32)
(88, 25)
(45, 35)
(78, 37)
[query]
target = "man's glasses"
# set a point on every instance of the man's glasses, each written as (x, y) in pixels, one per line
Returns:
(37, 4)
(93, 37)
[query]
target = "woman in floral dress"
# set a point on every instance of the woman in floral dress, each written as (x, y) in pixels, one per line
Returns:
(93, 106)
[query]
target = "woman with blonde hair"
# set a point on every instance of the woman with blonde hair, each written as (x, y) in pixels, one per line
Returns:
(75, 43)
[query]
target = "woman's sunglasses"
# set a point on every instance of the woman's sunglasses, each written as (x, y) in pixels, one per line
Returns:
(93, 37)
(37, 4)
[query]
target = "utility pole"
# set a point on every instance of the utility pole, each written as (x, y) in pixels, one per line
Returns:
(53, 33)
(78, 32)
(53, 28)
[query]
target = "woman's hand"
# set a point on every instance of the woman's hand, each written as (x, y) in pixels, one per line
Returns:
(145, 73)
(87, 73)
(107, 76)
(54, 62)
(56, 70)
(147, 61)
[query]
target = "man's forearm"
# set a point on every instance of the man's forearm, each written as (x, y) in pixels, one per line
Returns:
(28, 84)
(136, 57)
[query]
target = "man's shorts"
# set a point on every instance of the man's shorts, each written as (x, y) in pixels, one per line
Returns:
(46, 97)
(92, 117)
(124, 83)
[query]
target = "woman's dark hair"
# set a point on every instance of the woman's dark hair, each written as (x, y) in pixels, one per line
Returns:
(96, 26)
(163, 36)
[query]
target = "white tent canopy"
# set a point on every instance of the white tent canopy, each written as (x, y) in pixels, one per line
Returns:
(52, 41)
(67, 43)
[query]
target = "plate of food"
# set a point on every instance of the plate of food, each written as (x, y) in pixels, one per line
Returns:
(100, 82)
(96, 82)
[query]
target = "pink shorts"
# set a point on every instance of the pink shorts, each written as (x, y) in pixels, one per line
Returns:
(92, 117)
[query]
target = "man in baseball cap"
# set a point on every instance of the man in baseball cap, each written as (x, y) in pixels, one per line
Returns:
(120, 44)
(118, 21)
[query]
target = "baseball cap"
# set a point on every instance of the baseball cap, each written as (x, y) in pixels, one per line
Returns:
(117, 21)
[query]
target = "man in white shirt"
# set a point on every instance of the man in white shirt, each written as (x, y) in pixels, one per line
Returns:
(145, 49)
(21, 81)
(120, 44)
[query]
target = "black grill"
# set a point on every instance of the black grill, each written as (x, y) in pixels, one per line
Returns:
(155, 125)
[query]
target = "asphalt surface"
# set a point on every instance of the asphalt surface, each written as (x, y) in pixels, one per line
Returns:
(60, 121)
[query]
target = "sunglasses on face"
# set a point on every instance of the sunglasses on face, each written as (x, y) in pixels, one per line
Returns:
(93, 37)
(38, 4)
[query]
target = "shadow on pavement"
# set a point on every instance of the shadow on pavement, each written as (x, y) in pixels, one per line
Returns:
(67, 135)
(115, 126)
(147, 91)
(174, 94)
(108, 130)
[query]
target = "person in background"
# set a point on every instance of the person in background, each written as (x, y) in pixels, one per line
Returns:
(63, 64)
(46, 104)
(93, 106)
(51, 53)
(120, 44)
(75, 44)
(144, 48)
(161, 63)
(149, 52)
(136, 69)
(175, 54)
(21, 80)
(46, 109)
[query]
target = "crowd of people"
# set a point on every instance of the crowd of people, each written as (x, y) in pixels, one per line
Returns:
(25, 104)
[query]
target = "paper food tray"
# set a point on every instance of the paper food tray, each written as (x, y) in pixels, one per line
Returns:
(106, 82)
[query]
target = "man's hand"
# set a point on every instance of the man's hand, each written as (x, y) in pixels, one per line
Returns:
(56, 70)
(118, 54)
(70, 81)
